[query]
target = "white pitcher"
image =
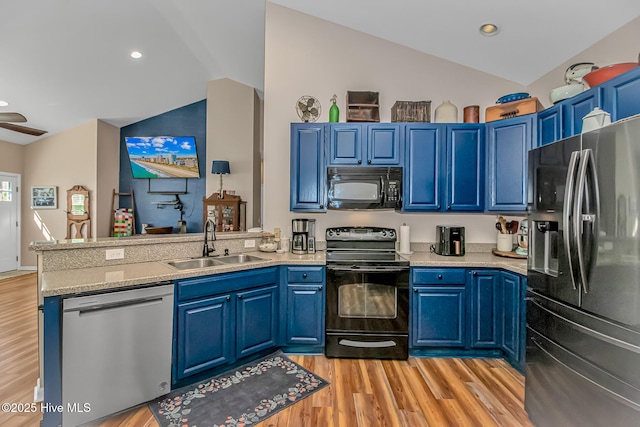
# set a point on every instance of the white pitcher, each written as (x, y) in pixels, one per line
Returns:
(596, 119)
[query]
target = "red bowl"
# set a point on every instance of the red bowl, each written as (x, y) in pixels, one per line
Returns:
(603, 74)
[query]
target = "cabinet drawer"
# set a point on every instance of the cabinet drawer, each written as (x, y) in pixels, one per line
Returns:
(305, 274)
(226, 282)
(438, 276)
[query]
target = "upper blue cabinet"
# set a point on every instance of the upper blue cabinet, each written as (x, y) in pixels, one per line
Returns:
(444, 167)
(308, 173)
(550, 125)
(374, 144)
(508, 142)
(575, 108)
(621, 95)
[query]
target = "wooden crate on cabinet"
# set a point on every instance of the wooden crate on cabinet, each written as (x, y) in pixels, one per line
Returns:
(225, 211)
(513, 109)
(363, 107)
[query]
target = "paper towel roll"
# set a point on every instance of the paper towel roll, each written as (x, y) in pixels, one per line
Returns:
(405, 239)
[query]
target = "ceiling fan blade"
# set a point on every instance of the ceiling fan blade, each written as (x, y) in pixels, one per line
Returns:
(12, 117)
(22, 129)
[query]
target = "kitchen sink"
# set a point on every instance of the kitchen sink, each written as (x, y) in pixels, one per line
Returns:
(240, 259)
(192, 264)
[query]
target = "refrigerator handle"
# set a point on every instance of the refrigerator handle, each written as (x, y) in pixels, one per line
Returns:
(587, 164)
(566, 211)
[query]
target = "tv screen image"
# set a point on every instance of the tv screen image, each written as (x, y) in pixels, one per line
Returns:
(163, 156)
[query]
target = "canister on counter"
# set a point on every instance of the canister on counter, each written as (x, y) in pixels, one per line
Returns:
(472, 114)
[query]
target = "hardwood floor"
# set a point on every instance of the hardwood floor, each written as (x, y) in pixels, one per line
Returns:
(18, 347)
(413, 393)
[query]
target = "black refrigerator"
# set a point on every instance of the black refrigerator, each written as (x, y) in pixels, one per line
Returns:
(583, 280)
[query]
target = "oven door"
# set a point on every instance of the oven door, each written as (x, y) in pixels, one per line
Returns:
(367, 300)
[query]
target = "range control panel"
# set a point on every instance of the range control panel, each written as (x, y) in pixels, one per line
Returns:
(361, 233)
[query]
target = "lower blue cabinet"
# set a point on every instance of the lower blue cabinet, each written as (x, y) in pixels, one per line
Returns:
(438, 316)
(256, 320)
(485, 308)
(304, 307)
(222, 318)
(514, 328)
(204, 335)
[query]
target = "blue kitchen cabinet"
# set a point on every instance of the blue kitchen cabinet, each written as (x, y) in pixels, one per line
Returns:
(438, 310)
(444, 167)
(375, 144)
(621, 95)
(222, 318)
(549, 125)
(485, 308)
(205, 335)
(424, 167)
(508, 143)
(576, 107)
(513, 308)
(465, 168)
(304, 297)
(345, 144)
(308, 190)
(256, 320)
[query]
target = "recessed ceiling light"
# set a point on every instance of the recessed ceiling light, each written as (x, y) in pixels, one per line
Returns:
(3, 103)
(489, 29)
(136, 55)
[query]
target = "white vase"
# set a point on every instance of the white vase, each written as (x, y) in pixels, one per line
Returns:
(446, 113)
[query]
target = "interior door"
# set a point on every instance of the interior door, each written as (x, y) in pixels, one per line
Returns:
(8, 222)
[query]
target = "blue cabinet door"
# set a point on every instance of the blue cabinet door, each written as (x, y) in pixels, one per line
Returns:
(511, 329)
(305, 314)
(508, 143)
(256, 320)
(424, 166)
(575, 108)
(549, 126)
(308, 174)
(438, 316)
(205, 331)
(465, 168)
(486, 308)
(383, 144)
(345, 144)
(621, 95)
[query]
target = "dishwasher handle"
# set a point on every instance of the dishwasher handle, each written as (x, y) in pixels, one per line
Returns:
(105, 308)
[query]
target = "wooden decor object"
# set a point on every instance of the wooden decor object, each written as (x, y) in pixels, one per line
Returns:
(411, 111)
(223, 211)
(513, 109)
(363, 107)
(78, 212)
(127, 215)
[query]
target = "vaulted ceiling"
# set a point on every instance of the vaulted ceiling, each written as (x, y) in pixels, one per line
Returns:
(66, 62)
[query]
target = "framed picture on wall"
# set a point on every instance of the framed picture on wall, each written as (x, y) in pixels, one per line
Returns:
(44, 197)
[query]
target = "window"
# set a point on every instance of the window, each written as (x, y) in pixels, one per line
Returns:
(6, 191)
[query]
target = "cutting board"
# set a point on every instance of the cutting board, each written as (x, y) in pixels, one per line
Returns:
(511, 254)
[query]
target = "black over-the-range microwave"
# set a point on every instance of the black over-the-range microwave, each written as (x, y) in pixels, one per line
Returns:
(364, 188)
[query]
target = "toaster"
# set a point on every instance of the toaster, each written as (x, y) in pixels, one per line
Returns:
(449, 240)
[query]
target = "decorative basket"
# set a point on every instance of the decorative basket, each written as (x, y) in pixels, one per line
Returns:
(411, 111)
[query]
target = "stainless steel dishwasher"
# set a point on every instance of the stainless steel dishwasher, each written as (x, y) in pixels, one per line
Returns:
(116, 351)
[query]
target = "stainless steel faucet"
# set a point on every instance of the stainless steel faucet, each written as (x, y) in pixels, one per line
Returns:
(209, 227)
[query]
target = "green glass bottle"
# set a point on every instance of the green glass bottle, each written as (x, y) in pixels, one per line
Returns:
(334, 112)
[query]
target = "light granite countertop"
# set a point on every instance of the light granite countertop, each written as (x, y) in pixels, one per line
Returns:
(107, 278)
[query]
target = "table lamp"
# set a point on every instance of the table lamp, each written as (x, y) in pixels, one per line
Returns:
(220, 167)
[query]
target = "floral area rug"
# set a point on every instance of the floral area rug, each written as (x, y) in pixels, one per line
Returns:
(241, 397)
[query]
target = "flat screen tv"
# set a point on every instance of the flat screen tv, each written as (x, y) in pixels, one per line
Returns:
(163, 156)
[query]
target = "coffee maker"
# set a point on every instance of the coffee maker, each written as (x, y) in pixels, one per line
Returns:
(449, 240)
(303, 240)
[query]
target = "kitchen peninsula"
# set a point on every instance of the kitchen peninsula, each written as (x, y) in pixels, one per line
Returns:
(264, 291)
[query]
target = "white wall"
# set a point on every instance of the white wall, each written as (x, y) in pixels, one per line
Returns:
(309, 56)
(232, 135)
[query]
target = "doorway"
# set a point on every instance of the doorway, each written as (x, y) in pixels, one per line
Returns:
(9, 226)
